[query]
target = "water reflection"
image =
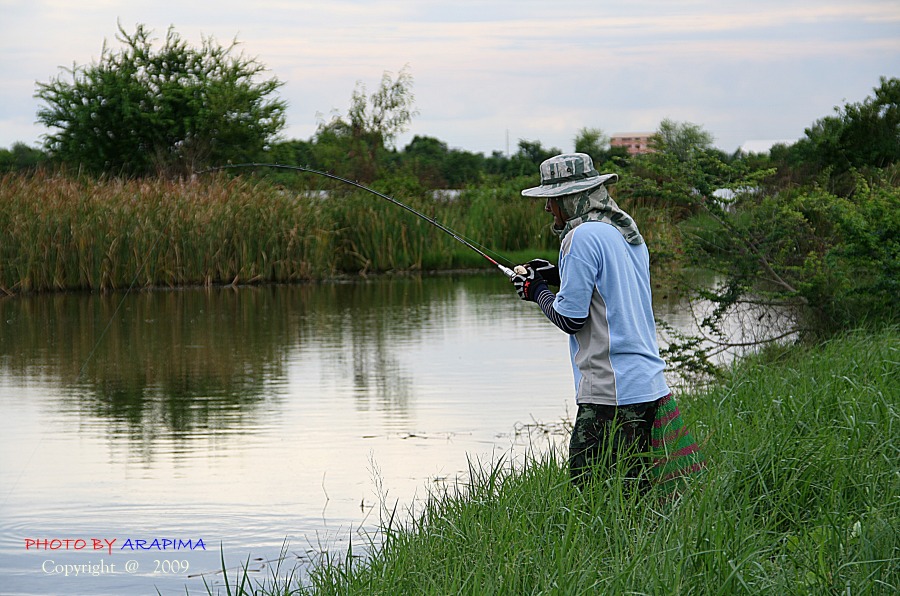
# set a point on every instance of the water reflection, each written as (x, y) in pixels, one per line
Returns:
(186, 363)
(153, 363)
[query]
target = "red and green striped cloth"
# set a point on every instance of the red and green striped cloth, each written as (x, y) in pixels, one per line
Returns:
(675, 452)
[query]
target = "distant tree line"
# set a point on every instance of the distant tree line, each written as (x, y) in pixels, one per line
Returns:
(21, 157)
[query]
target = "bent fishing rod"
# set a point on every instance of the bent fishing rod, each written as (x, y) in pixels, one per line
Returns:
(510, 273)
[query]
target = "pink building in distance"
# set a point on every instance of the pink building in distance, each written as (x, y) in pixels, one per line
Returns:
(635, 142)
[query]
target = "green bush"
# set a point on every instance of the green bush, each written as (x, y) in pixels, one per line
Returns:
(836, 259)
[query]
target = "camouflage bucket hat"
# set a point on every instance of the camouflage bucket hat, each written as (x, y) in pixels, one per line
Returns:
(566, 174)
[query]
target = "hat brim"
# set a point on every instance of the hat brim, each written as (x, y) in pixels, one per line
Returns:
(568, 188)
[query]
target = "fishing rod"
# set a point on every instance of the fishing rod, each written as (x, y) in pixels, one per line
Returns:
(510, 273)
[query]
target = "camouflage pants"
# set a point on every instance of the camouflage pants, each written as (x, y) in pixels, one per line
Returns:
(603, 436)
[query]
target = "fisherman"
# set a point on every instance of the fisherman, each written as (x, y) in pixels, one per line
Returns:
(604, 304)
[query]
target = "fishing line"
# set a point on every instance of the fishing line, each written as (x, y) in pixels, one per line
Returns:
(456, 236)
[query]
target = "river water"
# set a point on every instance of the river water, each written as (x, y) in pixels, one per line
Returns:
(145, 436)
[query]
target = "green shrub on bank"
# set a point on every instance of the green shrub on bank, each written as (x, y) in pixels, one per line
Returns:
(836, 259)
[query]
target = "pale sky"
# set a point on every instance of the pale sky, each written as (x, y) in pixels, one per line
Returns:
(489, 73)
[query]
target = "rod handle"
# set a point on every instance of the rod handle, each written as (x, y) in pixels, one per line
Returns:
(511, 273)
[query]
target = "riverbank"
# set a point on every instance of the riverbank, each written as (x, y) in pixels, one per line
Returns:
(801, 497)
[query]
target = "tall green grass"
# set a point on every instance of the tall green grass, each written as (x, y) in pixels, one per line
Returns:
(60, 232)
(802, 496)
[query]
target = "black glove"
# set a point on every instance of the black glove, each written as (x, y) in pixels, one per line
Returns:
(527, 283)
(547, 270)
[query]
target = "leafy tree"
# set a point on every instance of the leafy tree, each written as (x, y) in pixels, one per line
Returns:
(427, 157)
(594, 142)
(872, 128)
(860, 135)
(618, 156)
(683, 171)
(463, 167)
(681, 139)
(534, 151)
(177, 109)
(497, 164)
(524, 162)
(356, 144)
(437, 166)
